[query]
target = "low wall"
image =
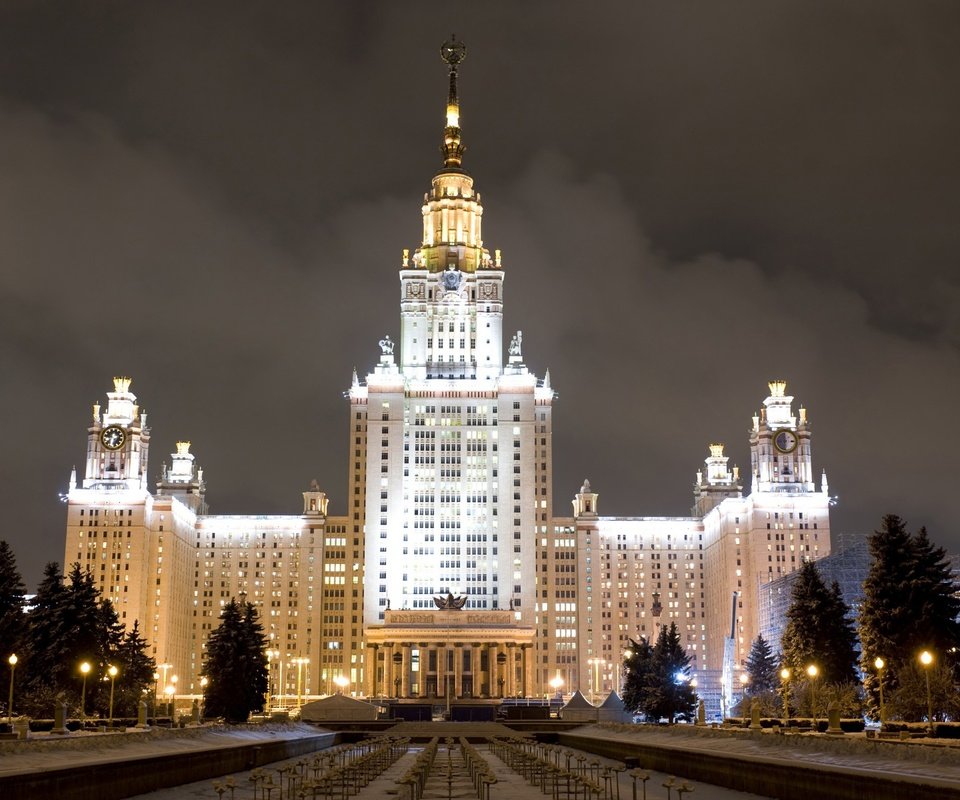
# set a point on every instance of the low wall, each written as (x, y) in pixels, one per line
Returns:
(127, 777)
(783, 779)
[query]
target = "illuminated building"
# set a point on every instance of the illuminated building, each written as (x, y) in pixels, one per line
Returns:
(449, 497)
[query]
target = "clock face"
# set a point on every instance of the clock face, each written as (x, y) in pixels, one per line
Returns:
(113, 437)
(785, 441)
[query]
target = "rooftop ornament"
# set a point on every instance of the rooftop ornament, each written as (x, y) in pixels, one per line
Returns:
(450, 603)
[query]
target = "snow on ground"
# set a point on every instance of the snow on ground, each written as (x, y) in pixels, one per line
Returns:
(510, 785)
(43, 752)
(939, 758)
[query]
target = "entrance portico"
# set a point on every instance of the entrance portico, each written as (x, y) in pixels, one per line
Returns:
(449, 652)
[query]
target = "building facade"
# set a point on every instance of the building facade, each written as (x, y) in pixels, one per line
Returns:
(449, 574)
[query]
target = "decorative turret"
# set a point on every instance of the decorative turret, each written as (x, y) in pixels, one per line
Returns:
(184, 479)
(117, 442)
(717, 484)
(314, 501)
(780, 457)
(585, 501)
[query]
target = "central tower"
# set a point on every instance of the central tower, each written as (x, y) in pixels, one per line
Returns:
(451, 441)
(451, 309)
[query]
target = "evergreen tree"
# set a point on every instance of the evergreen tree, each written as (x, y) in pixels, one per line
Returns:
(933, 598)
(12, 589)
(236, 664)
(669, 693)
(637, 667)
(819, 630)
(909, 605)
(45, 661)
(763, 669)
(69, 624)
(136, 670)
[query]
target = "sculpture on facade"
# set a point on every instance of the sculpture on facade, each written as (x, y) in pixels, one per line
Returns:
(516, 344)
(450, 603)
(386, 346)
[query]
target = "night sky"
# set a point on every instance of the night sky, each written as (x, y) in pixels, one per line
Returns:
(691, 199)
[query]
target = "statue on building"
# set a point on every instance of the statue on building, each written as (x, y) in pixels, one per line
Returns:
(386, 346)
(516, 344)
(450, 603)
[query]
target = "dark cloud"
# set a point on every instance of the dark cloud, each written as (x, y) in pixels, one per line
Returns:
(691, 199)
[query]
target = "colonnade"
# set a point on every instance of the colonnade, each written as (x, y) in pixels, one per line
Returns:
(509, 669)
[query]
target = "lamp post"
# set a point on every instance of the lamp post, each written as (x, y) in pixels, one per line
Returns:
(173, 698)
(744, 680)
(84, 670)
(627, 655)
(170, 691)
(204, 682)
(813, 671)
(163, 673)
(156, 691)
(879, 663)
(785, 680)
(112, 672)
(12, 661)
(596, 662)
(300, 661)
(342, 682)
(272, 655)
(557, 684)
(926, 659)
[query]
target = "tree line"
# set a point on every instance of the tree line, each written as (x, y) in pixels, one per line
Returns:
(910, 605)
(69, 623)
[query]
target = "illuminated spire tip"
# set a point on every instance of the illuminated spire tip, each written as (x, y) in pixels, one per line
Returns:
(453, 52)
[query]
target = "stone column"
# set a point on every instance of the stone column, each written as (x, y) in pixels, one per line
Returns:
(405, 670)
(388, 687)
(441, 669)
(510, 686)
(370, 670)
(457, 670)
(528, 669)
(476, 673)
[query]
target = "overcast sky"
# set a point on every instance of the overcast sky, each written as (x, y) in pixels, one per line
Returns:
(691, 198)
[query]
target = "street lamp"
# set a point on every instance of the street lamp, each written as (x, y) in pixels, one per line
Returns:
(112, 672)
(812, 671)
(156, 691)
(84, 669)
(596, 662)
(785, 679)
(926, 658)
(342, 682)
(12, 661)
(879, 663)
(162, 678)
(272, 655)
(170, 691)
(173, 698)
(204, 681)
(300, 662)
(556, 684)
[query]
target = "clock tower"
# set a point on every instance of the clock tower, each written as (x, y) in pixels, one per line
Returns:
(780, 456)
(118, 441)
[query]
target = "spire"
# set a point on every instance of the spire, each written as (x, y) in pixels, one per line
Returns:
(453, 53)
